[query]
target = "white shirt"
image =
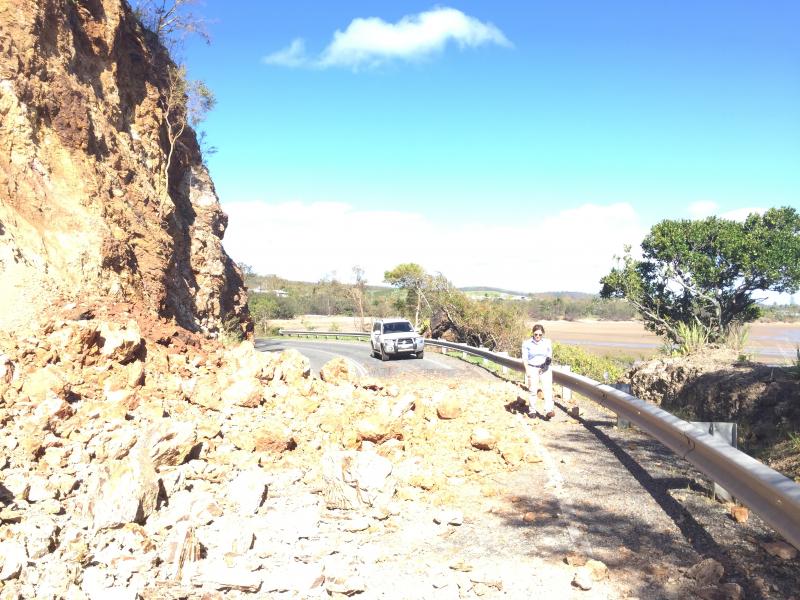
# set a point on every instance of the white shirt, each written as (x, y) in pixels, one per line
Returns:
(535, 353)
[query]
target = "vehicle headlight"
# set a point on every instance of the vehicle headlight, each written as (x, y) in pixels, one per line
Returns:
(389, 343)
(418, 341)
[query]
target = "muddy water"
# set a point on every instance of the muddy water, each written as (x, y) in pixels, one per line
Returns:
(767, 342)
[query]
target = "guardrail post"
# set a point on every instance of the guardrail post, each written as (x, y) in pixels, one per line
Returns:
(505, 368)
(566, 393)
(464, 355)
(623, 387)
(485, 360)
(726, 432)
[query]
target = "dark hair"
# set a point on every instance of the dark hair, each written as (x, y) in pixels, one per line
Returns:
(536, 328)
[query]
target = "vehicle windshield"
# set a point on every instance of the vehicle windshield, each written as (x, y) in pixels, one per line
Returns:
(402, 327)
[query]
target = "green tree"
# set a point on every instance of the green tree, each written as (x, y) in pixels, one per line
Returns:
(413, 278)
(702, 274)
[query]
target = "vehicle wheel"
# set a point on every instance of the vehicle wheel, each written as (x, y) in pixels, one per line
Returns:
(372, 351)
(421, 354)
(384, 356)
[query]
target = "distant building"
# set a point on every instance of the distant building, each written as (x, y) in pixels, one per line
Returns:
(280, 293)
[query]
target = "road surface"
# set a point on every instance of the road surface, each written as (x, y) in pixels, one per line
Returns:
(358, 353)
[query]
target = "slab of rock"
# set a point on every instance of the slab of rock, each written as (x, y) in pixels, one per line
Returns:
(727, 591)
(247, 491)
(220, 576)
(206, 393)
(449, 517)
(122, 491)
(179, 551)
(780, 549)
(342, 577)
(575, 560)
(250, 362)
(273, 438)
(286, 526)
(12, 558)
(40, 535)
(295, 576)
(583, 579)
(292, 367)
(356, 479)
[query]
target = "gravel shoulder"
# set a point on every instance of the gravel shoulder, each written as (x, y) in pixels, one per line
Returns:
(650, 515)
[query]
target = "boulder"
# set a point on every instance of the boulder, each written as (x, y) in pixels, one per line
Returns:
(244, 392)
(121, 343)
(339, 370)
(47, 381)
(449, 408)
(374, 428)
(291, 367)
(169, 442)
(482, 439)
(706, 572)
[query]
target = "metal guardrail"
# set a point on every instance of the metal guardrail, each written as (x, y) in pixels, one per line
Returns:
(772, 496)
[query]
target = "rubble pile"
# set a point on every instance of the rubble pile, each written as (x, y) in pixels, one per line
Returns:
(138, 460)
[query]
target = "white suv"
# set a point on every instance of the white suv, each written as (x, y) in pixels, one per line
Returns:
(393, 337)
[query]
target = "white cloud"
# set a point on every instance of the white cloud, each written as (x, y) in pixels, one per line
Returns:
(740, 214)
(702, 209)
(567, 251)
(293, 55)
(706, 208)
(369, 42)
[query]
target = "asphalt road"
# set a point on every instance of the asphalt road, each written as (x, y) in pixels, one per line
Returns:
(358, 353)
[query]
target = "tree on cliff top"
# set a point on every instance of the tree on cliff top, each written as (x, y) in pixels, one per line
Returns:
(184, 102)
(703, 273)
(170, 20)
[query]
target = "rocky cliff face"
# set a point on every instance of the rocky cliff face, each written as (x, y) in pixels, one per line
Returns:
(84, 209)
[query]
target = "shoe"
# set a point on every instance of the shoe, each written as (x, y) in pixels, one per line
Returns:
(550, 415)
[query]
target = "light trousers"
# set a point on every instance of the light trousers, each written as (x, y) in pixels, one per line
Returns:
(540, 381)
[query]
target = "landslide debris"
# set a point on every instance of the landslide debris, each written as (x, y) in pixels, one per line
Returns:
(140, 460)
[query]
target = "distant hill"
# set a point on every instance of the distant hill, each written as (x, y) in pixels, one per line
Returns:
(475, 290)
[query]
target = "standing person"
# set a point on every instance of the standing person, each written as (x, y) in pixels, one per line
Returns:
(537, 354)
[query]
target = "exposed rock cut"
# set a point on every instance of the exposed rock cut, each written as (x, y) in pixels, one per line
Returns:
(715, 386)
(83, 207)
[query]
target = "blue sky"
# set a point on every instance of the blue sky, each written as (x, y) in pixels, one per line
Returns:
(509, 144)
